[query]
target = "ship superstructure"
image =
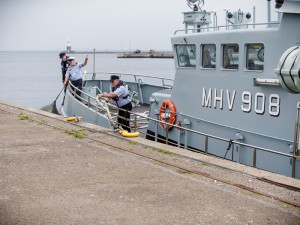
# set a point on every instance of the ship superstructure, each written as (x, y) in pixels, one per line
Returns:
(237, 83)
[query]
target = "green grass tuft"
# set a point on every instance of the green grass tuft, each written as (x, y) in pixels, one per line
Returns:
(76, 134)
(164, 152)
(23, 117)
(42, 122)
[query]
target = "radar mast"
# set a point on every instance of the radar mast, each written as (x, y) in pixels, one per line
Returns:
(198, 18)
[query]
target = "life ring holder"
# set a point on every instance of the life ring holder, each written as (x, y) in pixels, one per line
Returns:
(167, 111)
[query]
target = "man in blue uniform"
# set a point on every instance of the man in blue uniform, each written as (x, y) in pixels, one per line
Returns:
(64, 64)
(74, 73)
(121, 95)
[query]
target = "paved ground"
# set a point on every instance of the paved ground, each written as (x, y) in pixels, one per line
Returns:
(47, 176)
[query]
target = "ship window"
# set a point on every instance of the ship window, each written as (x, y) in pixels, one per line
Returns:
(209, 56)
(186, 55)
(231, 56)
(255, 56)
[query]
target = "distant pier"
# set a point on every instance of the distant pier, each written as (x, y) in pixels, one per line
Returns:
(92, 52)
(167, 55)
(159, 55)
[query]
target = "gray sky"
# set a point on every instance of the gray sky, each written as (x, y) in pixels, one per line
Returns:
(101, 24)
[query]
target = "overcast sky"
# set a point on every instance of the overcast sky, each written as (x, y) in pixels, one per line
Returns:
(101, 24)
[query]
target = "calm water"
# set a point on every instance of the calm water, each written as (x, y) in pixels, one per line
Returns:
(34, 78)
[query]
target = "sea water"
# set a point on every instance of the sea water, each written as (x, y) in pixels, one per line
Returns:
(34, 79)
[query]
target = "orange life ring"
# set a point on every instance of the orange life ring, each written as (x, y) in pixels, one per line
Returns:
(167, 111)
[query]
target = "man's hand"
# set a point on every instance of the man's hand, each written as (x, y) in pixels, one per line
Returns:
(85, 60)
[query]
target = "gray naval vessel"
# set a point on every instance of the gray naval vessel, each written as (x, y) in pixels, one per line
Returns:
(235, 94)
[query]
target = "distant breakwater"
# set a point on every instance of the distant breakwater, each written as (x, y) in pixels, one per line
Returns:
(160, 55)
(96, 52)
(129, 54)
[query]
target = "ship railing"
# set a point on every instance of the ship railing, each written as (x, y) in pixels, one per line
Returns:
(165, 82)
(231, 143)
(228, 27)
(87, 100)
(138, 118)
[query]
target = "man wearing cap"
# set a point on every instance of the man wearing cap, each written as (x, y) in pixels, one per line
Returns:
(64, 64)
(121, 95)
(74, 73)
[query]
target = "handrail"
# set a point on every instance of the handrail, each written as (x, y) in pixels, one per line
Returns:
(73, 92)
(131, 74)
(221, 139)
(136, 77)
(225, 26)
(293, 156)
(207, 121)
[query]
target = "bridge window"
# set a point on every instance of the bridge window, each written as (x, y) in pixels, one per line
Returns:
(186, 55)
(231, 56)
(209, 56)
(255, 56)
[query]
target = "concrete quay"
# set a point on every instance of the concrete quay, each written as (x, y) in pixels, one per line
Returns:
(56, 172)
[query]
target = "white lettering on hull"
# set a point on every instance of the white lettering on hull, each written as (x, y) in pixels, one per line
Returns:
(218, 99)
(230, 100)
(206, 100)
(258, 102)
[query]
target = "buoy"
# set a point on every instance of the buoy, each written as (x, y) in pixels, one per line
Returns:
(125, 133)
(73, 118)
(167, 111)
